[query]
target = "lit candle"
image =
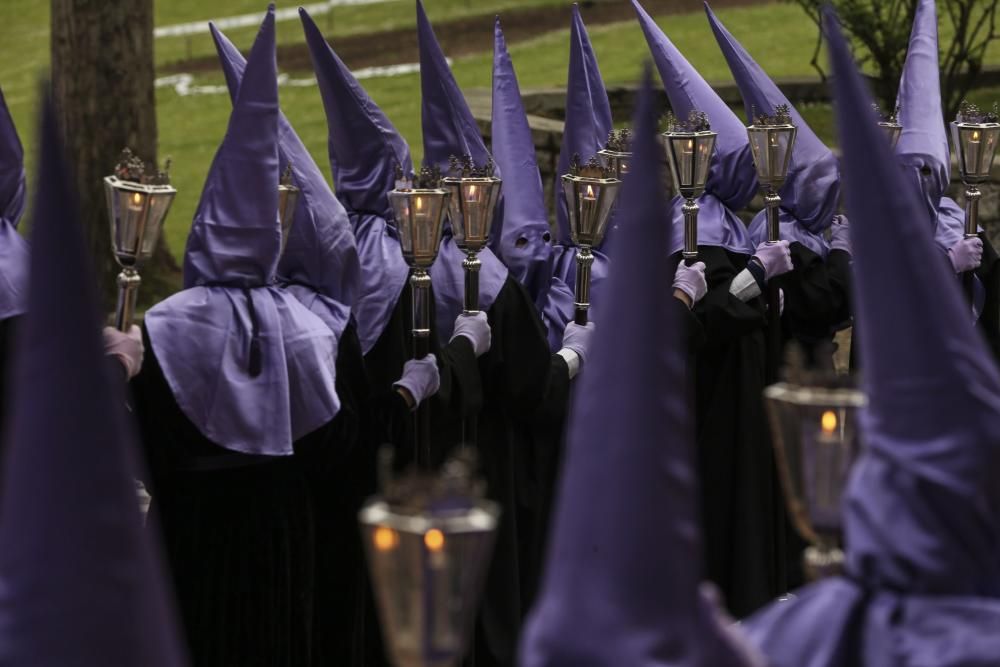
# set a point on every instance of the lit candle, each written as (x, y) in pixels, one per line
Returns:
(972, 160)
(471, 195)
(588, 214)
(135, 202)
(687, 163)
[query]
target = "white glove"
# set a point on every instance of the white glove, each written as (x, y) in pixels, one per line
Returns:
(476, 328)
(691, 281)
(126, 347)
(421, 380)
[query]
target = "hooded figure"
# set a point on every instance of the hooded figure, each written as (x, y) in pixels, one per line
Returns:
(744, 519)
(923, 152)
(240, 375)
(921, 506)
(816, 293)
(525, 385)
(450, 130)
(586, 129)
(366, 156)
(320, 267)
(525, 240)
(621, 589)
(13, 247)
(81, 582)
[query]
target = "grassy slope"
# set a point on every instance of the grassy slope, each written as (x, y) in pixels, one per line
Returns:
(779, 36)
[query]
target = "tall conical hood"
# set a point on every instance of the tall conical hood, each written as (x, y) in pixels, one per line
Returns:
(365, 148)
(525, 240)
(924, 505)
(732, 177)
(449, 129)
(588, 112)
(14, 255)
(236, 238)
(923, 146)
(249, 365)
(12, 187)
(365, 153)
(81, 582)
(320, 262)
(811, 191)
(448, 126)
(640, 605)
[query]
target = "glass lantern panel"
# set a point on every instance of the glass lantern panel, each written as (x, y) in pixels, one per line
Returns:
(704, 147)
(471, 209)
(419, 219)
(978, 148)
(427, 586)
(681, 154)
(159, 206)
(816, 444)
(589, 204)
(772, 152)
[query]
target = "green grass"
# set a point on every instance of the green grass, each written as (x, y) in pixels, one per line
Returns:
(779, 36)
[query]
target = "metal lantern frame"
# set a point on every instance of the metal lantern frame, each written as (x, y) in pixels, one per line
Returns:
(893, 131)
(617, 153)
(428, 543)
(689, 155)
(475, 193)
(816, 440)
(136, 212)
(591, 192)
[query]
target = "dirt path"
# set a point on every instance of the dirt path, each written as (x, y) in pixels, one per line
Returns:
(463, 36)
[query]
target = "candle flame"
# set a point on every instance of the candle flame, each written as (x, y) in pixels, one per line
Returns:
(590, 192)
(385, 539)
(420, 204)
(136, 198)
(975, 135)
(434, 540)
(690, 144)
(472, 191)
(828, 422)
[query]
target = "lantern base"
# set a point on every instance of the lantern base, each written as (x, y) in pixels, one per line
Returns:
(128, 292)
(823, 561)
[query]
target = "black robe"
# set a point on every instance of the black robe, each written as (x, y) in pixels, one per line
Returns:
(239, 531)
(817, 304)
(388, 421)
(742, 508)
(516, 397)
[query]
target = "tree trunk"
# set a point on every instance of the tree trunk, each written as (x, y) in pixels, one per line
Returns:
(103, 87)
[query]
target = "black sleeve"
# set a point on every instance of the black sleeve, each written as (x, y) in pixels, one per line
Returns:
(519, 365)
(814, 301)
(461, 391)
(838, 264)
(725, 318)
(693, 331)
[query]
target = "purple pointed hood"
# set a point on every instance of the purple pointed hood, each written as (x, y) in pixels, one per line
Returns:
(365, 151)
(320, 263)
(732, 179)
(640, 604)
(588, 113)
(922, 512)
(811, 192)
(923, 145)
(82, 582)
(14, 254)
(449, 129)
(250, 366)
(525, 239)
